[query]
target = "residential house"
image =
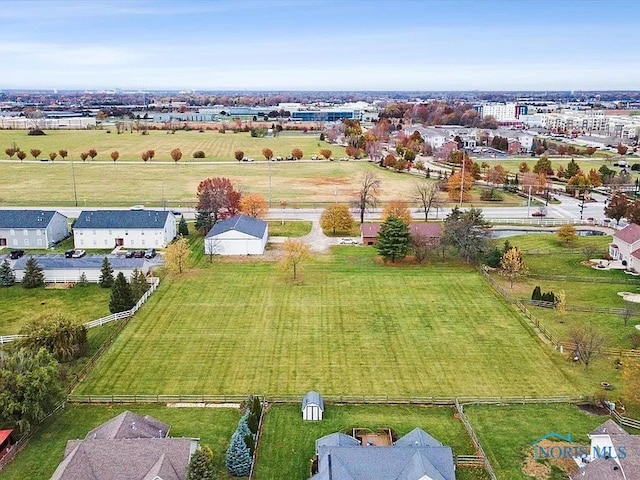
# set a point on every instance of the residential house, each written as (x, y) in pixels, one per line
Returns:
(416, 456)
(625, 247)
(24, 229)
(126, 228)
(613, 455)
(127, 447)
(312, 406)
(238, 235)
(430, 232)
(57, 268)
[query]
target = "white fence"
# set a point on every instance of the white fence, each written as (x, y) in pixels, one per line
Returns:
(153, 285)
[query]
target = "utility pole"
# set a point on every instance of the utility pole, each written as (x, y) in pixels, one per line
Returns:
(529, 201)
(462, 181)
(73, 176)
(269, 160)
(582, 207)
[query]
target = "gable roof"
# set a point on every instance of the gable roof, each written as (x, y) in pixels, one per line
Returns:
(125, 459)
(26, 218)
(337, 440)
(240, 223)
(423, 229)
(312, 397)
(88, 262)
(97, 219)
(609, 428)
(419, 438)
(629, 234)
(129, 425)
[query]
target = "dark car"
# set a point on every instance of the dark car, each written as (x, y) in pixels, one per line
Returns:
(150, 253)
(129, 254)
(16, 254)
(138, 254)
(69, 253)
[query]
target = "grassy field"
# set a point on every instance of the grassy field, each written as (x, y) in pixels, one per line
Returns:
(289, 228)
(215, 145)
(81, 303)
(213, 426)
(505, 432)
(288, 443)
(353, 326)
(292, 182)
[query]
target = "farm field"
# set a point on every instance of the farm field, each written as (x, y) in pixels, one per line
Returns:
(38, 461)
(351, 327)
(216, 146)
(102, 184)
(288, 443)
(506, 432)
(82, 303)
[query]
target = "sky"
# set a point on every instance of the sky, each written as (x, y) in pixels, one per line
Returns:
(320, 45)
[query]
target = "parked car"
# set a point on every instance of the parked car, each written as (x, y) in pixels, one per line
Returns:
(348, 241)
(69, 253)
(14, 254)
(247, 159)
(538, 214)
(78, 253)
(129, 254)
(150, 253)
(138, 254)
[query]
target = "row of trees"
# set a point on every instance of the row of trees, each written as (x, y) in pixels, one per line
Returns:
(239, 457)
(621, 206)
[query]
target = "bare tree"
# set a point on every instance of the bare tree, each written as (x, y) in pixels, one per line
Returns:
(368, 194)
(426, 193)
(587, 344)
(629, 310)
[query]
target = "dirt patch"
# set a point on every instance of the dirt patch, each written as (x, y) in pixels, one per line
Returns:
(630, 297)
(319, 181)
(58, 286)
(202, 405)
(541, 469)
(594, 410)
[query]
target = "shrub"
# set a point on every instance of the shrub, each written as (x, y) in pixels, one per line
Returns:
(36, 131)
(635, 167)
(491, 195)
(537, 294)
(198, 154)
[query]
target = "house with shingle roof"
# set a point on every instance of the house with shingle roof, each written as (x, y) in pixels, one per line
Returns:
(238, 235)
(625, 247)
(126, 228)
(613, 455)
(127, 447)
(23, 229)
(430, 232)
(416, 456)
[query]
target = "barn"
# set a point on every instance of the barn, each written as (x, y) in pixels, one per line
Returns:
(58, 268)
(238, 235)
(312, 406)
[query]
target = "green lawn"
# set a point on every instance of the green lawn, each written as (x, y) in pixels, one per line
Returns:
(550, 243)
(289, 228)
(288, 443)
(353, 326)
(81, 303)
(505, 432)
(213, 426)
(216, 146)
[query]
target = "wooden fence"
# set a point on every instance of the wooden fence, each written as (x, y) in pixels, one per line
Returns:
(257, 442)
(474, 439)
(153, 285)
(625, 421)
(570, 278)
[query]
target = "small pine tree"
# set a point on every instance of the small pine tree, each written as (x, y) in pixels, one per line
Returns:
(139, 284)
(106, 274)
(33, 274)
(243, 429)
(393, 239)
(183, 228)
(201, 465)
(121, 296)
(82, 281)
(537, 294)
(238, 458)
(7, 277)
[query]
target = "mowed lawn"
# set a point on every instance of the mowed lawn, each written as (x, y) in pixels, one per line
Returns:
(352, 327)
(123, 184)
(288, 443)
(216, 146)
(38, 461)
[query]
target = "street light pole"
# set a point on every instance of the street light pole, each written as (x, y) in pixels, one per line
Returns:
(269, 160)
(529, 201)
(73, 176)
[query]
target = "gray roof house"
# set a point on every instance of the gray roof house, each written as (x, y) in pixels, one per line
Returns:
(416, 456)
(312, 406)
(125, 228)
(24, 229)
(238, 235)
(127, 447)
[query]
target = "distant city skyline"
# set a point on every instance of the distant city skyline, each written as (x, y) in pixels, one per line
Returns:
(320, 45)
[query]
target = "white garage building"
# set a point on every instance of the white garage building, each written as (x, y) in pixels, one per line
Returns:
(58, 268)
(127, 228)
(239, 235)
(312, 406)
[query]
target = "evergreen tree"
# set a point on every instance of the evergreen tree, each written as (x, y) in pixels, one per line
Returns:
(139, 284)
(238, 458)
(393, 239)
(106, 274)
(243, 429)
(33, 274)
(201, 465)
(183, 228)
(537, 294)
(7, 277)
(121, 296)
(204, 222)
(82, 281)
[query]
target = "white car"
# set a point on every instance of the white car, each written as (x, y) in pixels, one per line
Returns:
(78, 253)
(348, 241)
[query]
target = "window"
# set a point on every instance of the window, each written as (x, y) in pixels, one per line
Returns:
(110, 233)
(39, 241)
(143, 241)
(26, 242)
(142, 232)
(12, 232)
(15, 242)
(94, 232)
(81, 241)
(25, 232)
(95, 242)
(38, 232)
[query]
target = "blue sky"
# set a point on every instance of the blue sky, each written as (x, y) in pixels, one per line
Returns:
(321, 45)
